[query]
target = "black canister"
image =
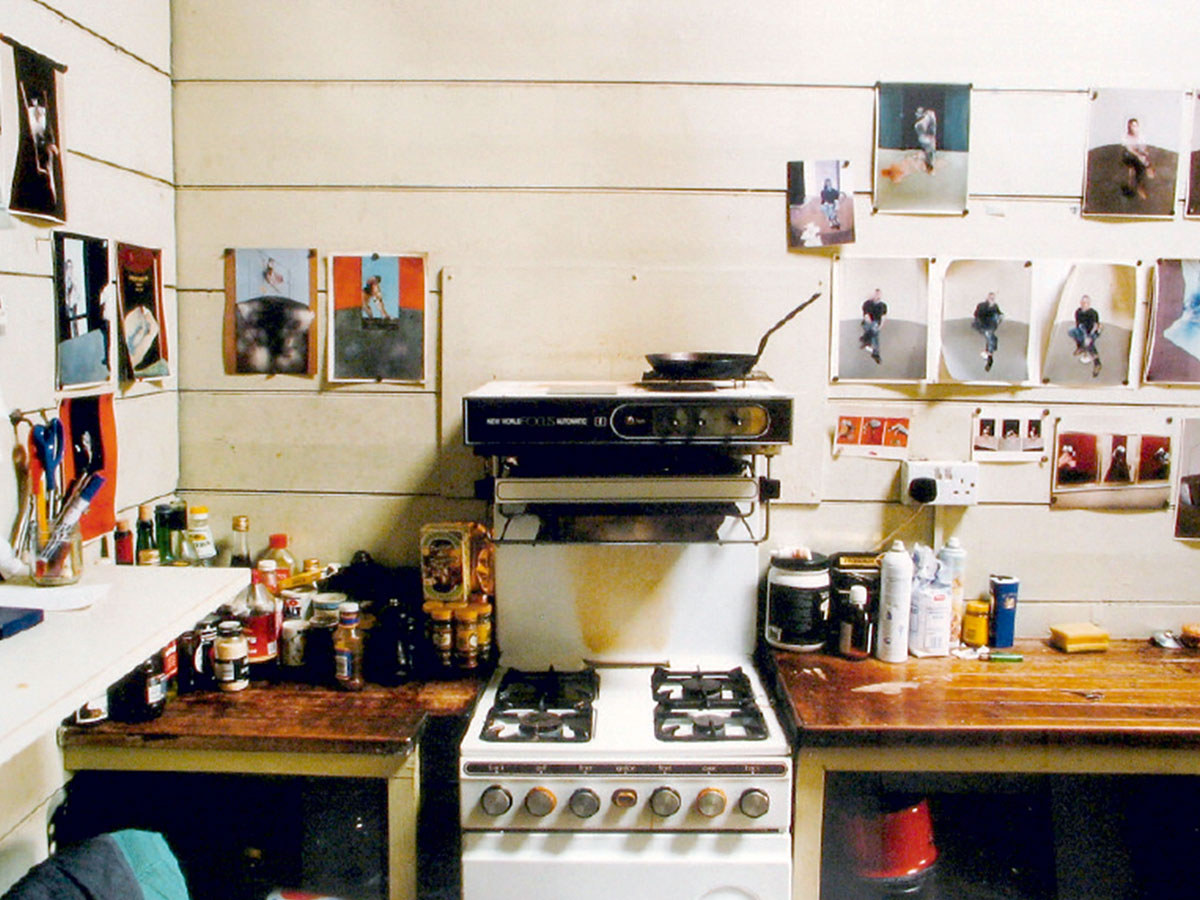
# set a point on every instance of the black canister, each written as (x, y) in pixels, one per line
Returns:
(797, 613)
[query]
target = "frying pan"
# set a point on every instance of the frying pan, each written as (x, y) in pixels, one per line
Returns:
(685, 366)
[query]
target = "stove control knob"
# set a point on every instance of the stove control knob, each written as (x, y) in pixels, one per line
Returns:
(754, 803)
(665, 802)
(710, 802)
(496, 801)
(624, 798)
(540, 802)
(584, 803)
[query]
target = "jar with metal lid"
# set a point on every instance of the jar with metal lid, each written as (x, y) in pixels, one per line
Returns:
(975, 623)
(797, 614)
(466, 637)
(318, 651)
(441, 634)
(483, 627)
(231, 663)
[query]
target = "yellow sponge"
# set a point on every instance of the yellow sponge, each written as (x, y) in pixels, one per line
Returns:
(1075, 637)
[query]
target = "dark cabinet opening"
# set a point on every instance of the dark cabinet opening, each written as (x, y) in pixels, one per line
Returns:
(1010, 836)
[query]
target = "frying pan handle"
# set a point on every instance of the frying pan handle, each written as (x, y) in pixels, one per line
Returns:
(762, 343)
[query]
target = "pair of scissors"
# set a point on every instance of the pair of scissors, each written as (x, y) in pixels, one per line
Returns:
(48, 441)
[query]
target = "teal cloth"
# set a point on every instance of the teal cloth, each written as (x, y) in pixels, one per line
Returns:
(153, 863)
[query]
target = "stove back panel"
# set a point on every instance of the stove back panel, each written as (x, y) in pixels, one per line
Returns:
(562, 604)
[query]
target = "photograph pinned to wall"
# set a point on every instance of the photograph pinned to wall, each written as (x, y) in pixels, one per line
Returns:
(90, 428)
(37, 180)
(377, 317)
(83, 327)
(1008, 434)
(922, 134)
(1173, 355)
(1187, 506)
(879, 432)
(1133, 153)
(140, 313)
(880, 320)
(820, 203)
(1191, 208)
(1098, 466)
(270, 311)
(986, 314)
(1092, 333)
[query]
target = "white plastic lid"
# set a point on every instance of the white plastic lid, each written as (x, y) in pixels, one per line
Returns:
(858, 595)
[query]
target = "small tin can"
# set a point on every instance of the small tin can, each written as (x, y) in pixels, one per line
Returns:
(797, 616)
(1004, 609)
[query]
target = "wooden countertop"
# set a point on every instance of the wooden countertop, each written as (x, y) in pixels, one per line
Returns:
(1131, 694)
(288, 718)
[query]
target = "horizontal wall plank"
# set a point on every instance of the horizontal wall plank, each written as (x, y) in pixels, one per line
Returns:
(333, 527)
(113, 107)
(535, 135)
(102, 202)
(568, 135)
(287, 442)
(776, 41)
(635, 228)
(141, 28)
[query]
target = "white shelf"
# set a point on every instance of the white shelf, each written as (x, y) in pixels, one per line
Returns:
(50, 670)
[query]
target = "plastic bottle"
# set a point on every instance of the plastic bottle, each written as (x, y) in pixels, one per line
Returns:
(277, 549)
(895, 601)
(348, 649)
(239, 554)
(199, 549)
(953, 558)
(929, 620)
(261, 625)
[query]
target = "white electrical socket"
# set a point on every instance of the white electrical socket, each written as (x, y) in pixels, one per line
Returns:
(939, 483)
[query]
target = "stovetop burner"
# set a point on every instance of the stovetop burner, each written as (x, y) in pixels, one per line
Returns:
(705, 706)
(683, 686)
(547, 706)
(549, 688)
(707, 722)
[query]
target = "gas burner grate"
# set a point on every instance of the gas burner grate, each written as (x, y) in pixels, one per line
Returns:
(671, 686)
(538, 724)
(709, 720)
(543, 706)
(549, 689)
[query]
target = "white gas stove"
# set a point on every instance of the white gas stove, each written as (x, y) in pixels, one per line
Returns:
(620, 748)
(627, 744)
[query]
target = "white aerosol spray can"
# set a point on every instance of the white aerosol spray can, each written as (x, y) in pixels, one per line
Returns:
(895, 603)
(953, 557)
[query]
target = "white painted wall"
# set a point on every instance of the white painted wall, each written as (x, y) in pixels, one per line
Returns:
(598, 181)
(119, 173)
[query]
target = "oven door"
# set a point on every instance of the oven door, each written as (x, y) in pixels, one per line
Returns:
(500, 865)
